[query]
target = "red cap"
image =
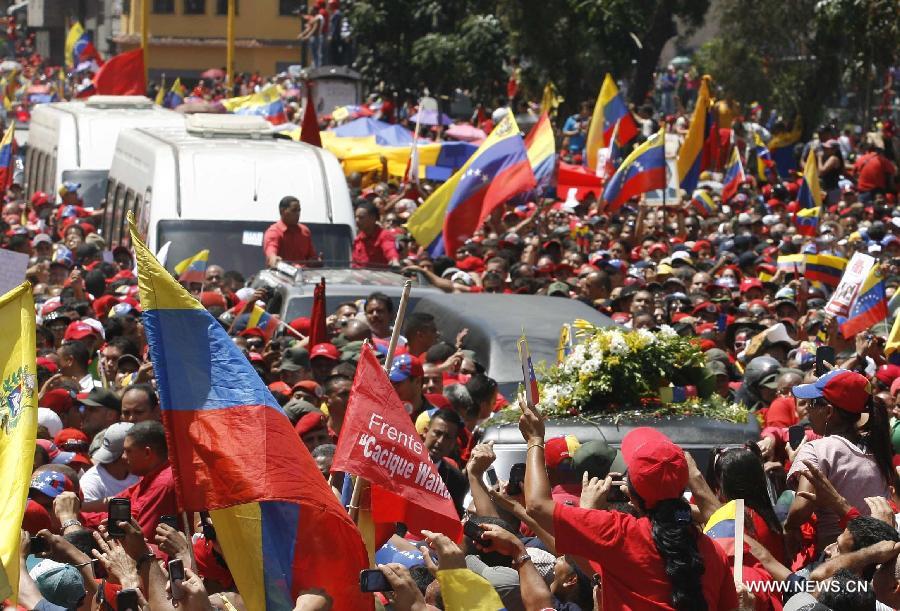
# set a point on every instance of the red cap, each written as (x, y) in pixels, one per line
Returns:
(211, 299)
(678, 316)
(309, 386)
(301, 325)
(67, 435)
(78, 330)
(471, 264)
(326, 350)
(700, 245)
(102, 305)
(887, 373)
(279, 388)
(657, 468)
(253, 332)
(705, 306)
(36, 518)
(49, 365)
(60, 400)
(310, 422)
(750, 283)
(846, 390)
(658, 246)
(558, 449)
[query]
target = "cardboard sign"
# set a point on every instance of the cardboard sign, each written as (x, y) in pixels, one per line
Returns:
(848, 289)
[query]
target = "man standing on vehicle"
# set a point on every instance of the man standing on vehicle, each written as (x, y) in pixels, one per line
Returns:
(373, 245)
(289, 240)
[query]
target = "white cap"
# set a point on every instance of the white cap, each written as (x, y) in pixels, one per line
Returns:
(245, 293)
(113, 444)
(95, 324)
(48, 418)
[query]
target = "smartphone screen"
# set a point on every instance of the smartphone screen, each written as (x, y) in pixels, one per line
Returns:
(176, 576)
(472, 530)
(170, 520)
(373, 580)
(492, 477)
(824, 354)
(119, 511)
(796, 433)
(127, 600)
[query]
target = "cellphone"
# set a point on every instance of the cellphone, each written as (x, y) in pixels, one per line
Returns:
(119, 510)
(373, 580)
(493, 480)
(170, 520)
(99, 569)
(127, 600)
(796, 433)
(473, 531)
(824, 354)
(516, 479)
(176, 576)
(615, 493)
(37, 546)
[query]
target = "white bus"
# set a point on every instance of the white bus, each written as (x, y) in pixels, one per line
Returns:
(216, 182)
(74, 141)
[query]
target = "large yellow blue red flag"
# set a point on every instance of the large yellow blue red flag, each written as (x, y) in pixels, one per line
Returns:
(267, 104)
(193, 269)
(497, 171)
(868, 308)
(541, 147)
(807, 221)
(810, 195)
(609, 109)
(18, 425)
(234, 452)
(7, 157)
(643, 170)
(72, 38)
(690, 156)
(764, 161)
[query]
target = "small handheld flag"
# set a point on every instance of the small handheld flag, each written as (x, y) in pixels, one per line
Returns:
(532, 392)
(193, 269)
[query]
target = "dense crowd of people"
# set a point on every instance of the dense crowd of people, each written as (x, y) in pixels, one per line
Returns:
(577, 526)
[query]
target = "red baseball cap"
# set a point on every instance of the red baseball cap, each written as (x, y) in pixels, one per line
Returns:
(79, 330)
(49, 365)
(309, 386)
(558, 449)
(326, 350)
(846, 390)
(279, 388)
(310, 422)
(60, 400)
(74, 436)
(706, 306)
(887, 373)
(750, 283)
(657, 467)
(301, 325)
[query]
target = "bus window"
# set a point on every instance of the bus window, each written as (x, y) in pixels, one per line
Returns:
(125, 239)
(118, 205)
(108, 209)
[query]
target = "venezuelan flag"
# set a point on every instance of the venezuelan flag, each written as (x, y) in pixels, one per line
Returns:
(690, 156)
(175, 96)
(781, 148)
(807, 221)
(721, 526)
(764, 161)
(80, 47)
(18, 425)
(7, 157)
(532, 391)
(497, 171)
(703, 203)
(643, 170)
(791, 263)
(193, 269)
(869, 307)
(235, 453)
(609, 109)
(826, 269)
(734, 175)
(541, 147)
(267, 104)
(160, 98)
(254, 317)
(810, 195)
(615, 157)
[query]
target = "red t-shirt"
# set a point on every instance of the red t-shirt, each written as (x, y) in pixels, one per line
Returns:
(872, 171)
(378, 249)
(151, 498)
(620, 548)
(782, 412)
(292, 244)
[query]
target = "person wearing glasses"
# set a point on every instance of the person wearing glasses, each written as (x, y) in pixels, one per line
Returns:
(854, 452)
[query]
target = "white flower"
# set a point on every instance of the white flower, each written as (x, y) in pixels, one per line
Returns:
(667, 332)
(617, 344)
(647, 337)
(549, 395)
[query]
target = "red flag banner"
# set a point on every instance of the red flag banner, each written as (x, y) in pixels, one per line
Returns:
(309, 132)
(122, 74)
(379, 443)
(318, 329)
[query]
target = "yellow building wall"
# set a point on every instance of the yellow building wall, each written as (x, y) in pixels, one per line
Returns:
(263, 38)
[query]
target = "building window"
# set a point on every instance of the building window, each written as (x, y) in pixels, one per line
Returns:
(291, 7)
(194, 7)
(126, 7)
(222, 7)
(163, 7)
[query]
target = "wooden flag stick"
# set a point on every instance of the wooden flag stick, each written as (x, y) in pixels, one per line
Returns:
(739, 540)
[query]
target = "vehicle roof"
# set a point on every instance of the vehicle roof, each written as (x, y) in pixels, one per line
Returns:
(496, 321)
(246, 177)
(97, 128)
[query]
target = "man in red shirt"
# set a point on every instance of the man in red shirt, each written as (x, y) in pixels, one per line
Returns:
(874, 174)
(373, 246)
(147, 455)
(288, 239)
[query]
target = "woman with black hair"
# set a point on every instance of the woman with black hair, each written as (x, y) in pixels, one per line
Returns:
(658, 560)
(855, 459)
(737, 473)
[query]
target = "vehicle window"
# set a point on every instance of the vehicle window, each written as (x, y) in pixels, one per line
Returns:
(47, 177)
(109, 208)
(39, 171)
(132, 204)
(118, 205)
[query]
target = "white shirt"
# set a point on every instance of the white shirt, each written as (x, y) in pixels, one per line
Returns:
(87, 383)
(97, 483)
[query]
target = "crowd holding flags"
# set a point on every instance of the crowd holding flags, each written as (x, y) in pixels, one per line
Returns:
(609, 110)
(643, 170)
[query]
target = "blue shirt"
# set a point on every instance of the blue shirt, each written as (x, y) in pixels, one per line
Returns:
(576, 142)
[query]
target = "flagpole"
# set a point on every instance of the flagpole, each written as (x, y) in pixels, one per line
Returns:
(359, 483)
(145, 35)
(229, 45)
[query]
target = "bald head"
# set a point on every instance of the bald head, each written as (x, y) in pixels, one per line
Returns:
(357, 330)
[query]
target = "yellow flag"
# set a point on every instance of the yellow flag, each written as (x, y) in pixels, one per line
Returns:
(72, 38)
(18, 425)
(551, 99)
(893, 341)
